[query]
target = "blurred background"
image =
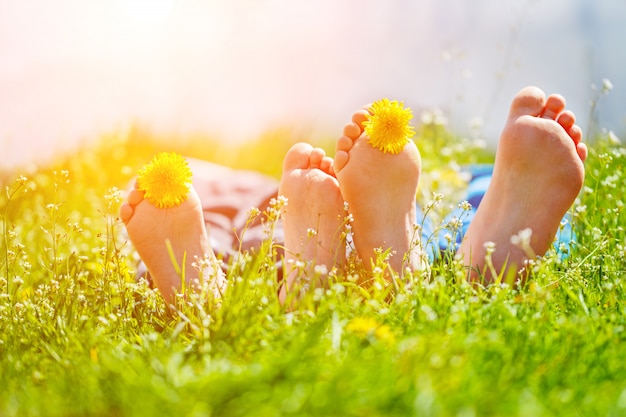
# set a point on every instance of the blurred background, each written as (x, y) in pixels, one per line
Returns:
(71, 70)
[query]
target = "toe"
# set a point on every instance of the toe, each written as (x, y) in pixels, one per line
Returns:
(135, 197)
(581, 150)
(126, 212)
(576, 133)
(315, 158)
(352, 130)
(340, 161)
(344, 144)
(566, 119)
(327, 165)
(555, 104)
(297, 157)
(529, 101)
(359, 117)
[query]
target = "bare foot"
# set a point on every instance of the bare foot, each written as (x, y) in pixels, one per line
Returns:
(149, 228)
(380, 189)
(313, 218)
(537, 175)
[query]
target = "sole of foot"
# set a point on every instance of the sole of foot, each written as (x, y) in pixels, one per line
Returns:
(150, 229)
(537, 176)
(380, 191)
(313, 219)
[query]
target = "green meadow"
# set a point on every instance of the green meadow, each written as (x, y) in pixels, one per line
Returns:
(81, 336)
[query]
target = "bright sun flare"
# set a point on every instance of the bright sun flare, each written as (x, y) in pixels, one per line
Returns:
(147, 12)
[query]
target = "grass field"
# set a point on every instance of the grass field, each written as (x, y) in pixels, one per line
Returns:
(79, 336)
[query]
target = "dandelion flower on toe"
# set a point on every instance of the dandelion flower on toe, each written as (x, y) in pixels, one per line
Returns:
(388, 126)
(166, 180)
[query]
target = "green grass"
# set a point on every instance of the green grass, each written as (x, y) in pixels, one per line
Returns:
(80, 337)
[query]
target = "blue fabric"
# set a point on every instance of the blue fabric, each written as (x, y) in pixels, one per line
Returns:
(436, 242)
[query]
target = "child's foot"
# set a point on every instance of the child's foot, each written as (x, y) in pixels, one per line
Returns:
(313, 218)
(380, 189)
(537, 175)
(183, 226)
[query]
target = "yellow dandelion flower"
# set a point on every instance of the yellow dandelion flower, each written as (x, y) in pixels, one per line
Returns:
(388, 127)
(363, 326)
(366, 327)
(166, 180)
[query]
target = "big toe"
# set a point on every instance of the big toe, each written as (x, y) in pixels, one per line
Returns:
(529, 101)
(298, 157)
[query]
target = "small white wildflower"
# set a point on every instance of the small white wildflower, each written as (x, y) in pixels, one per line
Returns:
(311, 232)
(480, 143)
(440, 118)
(339, 288)
(321, 269)
(318, 294)
(614, 139)
(490, 247)
(611, 181)
(113, 196)
(353, 278)
(476, 123)
(522, 238)
(253, 212)
(597, 233)
(455, 223)
(607, 85)
(428, 311)
(465, 205)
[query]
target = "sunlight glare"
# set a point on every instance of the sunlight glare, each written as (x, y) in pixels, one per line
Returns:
(147, 12)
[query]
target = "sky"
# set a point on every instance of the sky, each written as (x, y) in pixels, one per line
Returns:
(71, 70)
